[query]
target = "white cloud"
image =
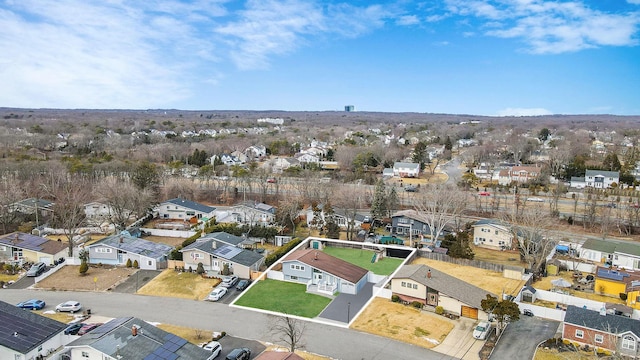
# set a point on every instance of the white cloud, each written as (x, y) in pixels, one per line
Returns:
(524, 112)
(550, 26)
(635, 2)
(408, 20)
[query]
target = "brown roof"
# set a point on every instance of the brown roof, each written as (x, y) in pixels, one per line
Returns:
(53, 247)
(329, 264)
(277, 355)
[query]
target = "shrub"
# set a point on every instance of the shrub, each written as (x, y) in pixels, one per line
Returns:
(623, 296)
(416, 304)
(277, 254)
(200, 269)
(135, 264)
(128, 263)
(84, 267)
(439, 310)
(395, 298)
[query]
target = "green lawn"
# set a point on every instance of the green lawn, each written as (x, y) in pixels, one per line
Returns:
(284, 297)
(362, 258)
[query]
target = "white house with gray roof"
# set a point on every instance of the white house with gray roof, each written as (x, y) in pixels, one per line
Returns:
(184, 209)
(27, 335)
(253, 214)
(435, 288)
(133, 338)
(405, 169)
(600, 179)
(218, 249)
(493, 234)
(117, 249)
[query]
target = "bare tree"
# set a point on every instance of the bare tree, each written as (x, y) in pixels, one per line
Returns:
(10, 192)
(348, 199)
(440, 205)
(531, 229)
(288, 330)
(124, 200)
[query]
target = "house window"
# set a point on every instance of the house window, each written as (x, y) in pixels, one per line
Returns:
(149, 262)
(297, 267)
(197, 255)
(294, 278)
(3, 248)
(579, 334)
(415, 286)
(496, 232)
(85, 354)
(103, 250)
(404, 284)
(629, 343)
(598, 338)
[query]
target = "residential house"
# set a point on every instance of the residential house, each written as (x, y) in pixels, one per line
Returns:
(503, 177)
(42, 207)
(183, 209)
(27, 335)
(492, 234)
(599, 179)
(578, 182)
(256, 152)
(410, 223)
(524, 174)
(239, 157)
(598, 250)
(220, 249)
(307, 158)
(280, 164)
(483, 171)
(19, 247)
(133, 338)
(624, 255)
(323, 273)
(117, 249)
(598, 329)
(387, 173)
(227, 159)
(406, 170)
(97, 212)
(341, 217)
(251, 213)
(435, 288)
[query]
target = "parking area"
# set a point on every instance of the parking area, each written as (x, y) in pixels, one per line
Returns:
(521, 338)
(345, 306)
(229, 343)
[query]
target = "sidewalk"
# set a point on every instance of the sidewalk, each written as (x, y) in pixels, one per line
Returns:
(460, 342)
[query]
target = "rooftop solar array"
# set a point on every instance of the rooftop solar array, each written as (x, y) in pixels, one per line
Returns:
(167, 350)
(25, 241)
(135, 245)
(21, 330)
(227, 252)
(112, 324)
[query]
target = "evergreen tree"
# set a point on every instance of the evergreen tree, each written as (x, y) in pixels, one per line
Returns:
(392, 201)
(448, 145)
(611, 162)
(333, 230)
(379, 206)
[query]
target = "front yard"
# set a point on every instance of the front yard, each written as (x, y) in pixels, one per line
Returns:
(96, 279)
(283, 297)
(404, 323)
(183, 285)
(362, 258)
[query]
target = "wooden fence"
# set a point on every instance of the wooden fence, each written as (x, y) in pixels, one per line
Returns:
(474, 263)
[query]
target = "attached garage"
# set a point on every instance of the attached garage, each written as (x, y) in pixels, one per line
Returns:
(469, 312)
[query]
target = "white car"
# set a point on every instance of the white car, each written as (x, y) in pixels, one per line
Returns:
(482, 330)
(535, 199)
(217, 293)
(229, 281)
(69, 306)
(214, 347)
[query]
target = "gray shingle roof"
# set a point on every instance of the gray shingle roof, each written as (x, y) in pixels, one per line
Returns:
(444, 283)
(191, 205)
(611, 174)
(32, 242)
(135, 245)
(226, 238)
(243, 257)
(22, 330)
(116, 338)
(613, 324)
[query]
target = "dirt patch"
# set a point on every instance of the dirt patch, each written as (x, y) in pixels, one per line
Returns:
(404, 323)
(510, 257)
(487, 280)
(171, 241)
(96, 279)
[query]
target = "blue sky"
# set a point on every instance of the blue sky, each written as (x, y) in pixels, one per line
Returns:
(481, 57)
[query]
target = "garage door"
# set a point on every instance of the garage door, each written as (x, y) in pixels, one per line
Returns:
(469, 312)
(46, 260)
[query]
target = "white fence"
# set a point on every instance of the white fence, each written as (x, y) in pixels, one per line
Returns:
(568, 300)
(587, 268)
(373, 278)
(543, 312)
(51, 271)
(275, 275)
(170, 233)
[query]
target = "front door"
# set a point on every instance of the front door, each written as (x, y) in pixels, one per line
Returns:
(317, 278)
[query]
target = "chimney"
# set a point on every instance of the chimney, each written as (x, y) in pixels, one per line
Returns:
(121, 239)
(429, 274)
(315, 256)
(214, 244)
(134, 330)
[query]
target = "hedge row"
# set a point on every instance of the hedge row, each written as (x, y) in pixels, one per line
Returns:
(274, 256)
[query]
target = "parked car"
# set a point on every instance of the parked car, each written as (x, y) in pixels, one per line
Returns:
(87, 327)
(484, 193)
(535, 199)
(73, 329)
(527, 312)
(410, 188)
(242, 284)
(214, 347)
(33, 304)
(239, 354)
(482, 330)
(69, 306)
(217, 293)
(229, 281)
(36, 269)
(272, 180)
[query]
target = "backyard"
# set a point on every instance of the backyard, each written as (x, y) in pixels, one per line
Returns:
(362, 258)
(404, 323)
(284, 297)
(183, 285)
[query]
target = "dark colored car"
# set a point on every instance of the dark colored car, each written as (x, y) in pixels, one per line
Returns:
(242, 284)
(33, 304)
(527, 312)
(73, 329)
(86, 328)
(239, 354)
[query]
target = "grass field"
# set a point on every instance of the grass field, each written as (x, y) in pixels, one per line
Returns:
(362, 258)
(404, 323)
(181, 285)
(283, 297)
(497, 257)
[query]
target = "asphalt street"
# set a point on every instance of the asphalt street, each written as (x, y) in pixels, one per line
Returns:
(336, 342)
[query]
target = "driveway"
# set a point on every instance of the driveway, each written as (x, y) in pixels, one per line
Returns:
(460, 342)
(229, 343)
(136, 281)
(521, 338)
(345, 306)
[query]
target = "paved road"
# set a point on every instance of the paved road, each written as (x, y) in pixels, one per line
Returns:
(521, 338)
(332, 341)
